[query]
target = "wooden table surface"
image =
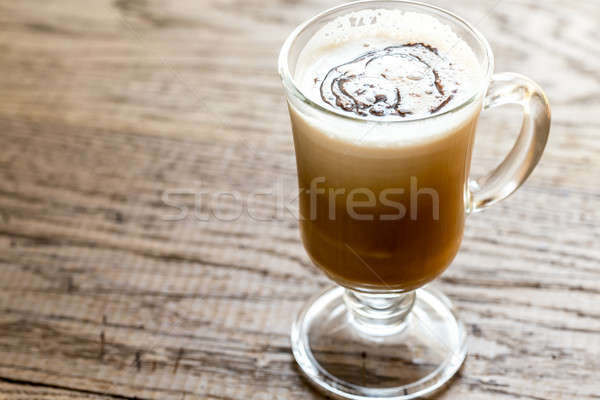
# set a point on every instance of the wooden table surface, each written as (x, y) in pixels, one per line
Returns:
(111, 107)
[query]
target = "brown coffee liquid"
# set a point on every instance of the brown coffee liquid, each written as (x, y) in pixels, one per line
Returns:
(400, 254)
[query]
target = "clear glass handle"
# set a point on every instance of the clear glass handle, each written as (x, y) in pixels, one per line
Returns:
(511, 88)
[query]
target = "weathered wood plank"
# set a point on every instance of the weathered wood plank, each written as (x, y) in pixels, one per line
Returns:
(14, 390)
(105, 107)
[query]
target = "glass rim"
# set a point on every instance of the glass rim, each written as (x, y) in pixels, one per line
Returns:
(291, 87)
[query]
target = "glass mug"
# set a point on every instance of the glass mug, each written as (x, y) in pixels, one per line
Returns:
(380, 334)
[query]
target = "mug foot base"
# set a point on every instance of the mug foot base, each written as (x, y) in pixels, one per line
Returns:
(347, 363)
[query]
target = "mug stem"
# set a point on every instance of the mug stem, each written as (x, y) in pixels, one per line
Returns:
(379, 314)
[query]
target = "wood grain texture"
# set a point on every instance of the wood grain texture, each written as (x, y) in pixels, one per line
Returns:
(109, 104)
(14, 390)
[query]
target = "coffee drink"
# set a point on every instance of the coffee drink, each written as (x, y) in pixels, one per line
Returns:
(383, 187)
(384, 97)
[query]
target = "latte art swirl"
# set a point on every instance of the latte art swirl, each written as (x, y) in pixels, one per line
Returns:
(413, 79)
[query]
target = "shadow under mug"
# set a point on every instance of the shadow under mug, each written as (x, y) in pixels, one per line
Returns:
(380, 334)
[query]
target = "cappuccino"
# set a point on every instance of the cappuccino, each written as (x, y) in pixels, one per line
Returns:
(383, 151)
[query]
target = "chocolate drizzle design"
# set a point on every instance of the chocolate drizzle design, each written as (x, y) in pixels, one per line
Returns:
(398, 81)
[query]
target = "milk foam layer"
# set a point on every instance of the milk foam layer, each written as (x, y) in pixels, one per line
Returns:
(412, 79)
(412, 66)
